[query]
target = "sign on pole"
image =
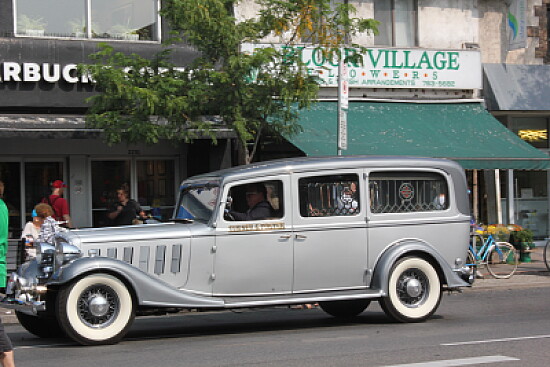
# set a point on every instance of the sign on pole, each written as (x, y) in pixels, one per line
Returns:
(343, 97)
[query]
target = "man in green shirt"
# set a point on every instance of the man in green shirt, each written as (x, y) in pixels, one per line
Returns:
(6, 348)
(4, 217)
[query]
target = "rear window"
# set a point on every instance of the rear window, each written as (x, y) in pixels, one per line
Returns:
(407, 192)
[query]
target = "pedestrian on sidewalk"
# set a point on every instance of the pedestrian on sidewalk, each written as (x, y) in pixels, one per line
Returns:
(59, 203)
(6, 348)
(49, 226)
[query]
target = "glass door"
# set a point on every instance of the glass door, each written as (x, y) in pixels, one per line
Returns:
(156, 188)
(38, 179)
(107, 177)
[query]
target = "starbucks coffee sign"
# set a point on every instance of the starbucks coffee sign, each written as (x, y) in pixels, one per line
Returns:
(392, 68)
(35, 72)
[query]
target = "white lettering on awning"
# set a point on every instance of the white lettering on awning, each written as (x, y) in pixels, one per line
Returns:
(51, 73)
(31, 72)
(11, 71)
(34, 72)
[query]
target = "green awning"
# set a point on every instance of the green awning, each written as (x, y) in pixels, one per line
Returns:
(464, 132)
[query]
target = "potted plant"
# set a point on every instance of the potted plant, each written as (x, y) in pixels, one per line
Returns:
(78, 27)
(30, 26)
(122, 31)
(523, 241)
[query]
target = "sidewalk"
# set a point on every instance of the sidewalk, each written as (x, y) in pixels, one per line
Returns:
(533, 274)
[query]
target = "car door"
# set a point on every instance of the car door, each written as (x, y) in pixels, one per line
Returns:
(254, 257)
(330, 239)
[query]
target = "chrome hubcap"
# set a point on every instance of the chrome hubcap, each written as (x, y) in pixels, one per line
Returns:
(98, 306)
(412, 288)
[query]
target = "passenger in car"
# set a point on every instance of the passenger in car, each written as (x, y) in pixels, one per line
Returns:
(258, 206)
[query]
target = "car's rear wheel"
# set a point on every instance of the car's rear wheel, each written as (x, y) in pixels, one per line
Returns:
(96, 309)
(414, 290)
(345, 309)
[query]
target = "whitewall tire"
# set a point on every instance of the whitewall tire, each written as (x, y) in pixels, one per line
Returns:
(96, 309)
(414, 290)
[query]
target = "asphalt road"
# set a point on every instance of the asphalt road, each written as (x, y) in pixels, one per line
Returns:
(506, 326)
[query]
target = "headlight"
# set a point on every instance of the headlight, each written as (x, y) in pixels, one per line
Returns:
(44, 253)
(65, 252)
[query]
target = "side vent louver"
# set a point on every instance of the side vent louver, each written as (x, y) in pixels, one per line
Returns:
(128, 254)
(144, 258)
(159, 260)
(111, 252)
(175, 266)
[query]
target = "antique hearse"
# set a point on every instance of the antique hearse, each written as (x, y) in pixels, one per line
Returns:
(341, 232)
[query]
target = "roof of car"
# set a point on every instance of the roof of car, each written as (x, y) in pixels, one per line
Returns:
(304, 164)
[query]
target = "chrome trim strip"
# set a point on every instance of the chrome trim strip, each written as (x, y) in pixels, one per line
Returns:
(331, 290)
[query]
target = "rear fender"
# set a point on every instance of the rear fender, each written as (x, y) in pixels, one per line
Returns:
(380, 279)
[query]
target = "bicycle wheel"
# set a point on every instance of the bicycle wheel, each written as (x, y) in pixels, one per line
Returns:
(503, 260)
(472, 264)
(546, 255)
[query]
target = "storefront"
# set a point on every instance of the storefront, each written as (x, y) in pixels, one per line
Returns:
(43, 137)
(517, 95)
(424, 103)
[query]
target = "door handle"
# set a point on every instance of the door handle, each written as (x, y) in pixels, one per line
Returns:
(300, 237)
(285, 237)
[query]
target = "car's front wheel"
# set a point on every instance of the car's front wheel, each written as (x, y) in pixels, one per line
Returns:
(414, 290)
(96, 309)
(41, 326)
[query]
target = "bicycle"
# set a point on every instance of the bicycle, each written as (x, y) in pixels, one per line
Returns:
(546, 254)
(500, 258)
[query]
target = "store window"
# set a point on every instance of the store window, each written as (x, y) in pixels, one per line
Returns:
(156, 190)
(531, 202)
(398, 22)
(135, 20)
(38, 177)
(533, 130)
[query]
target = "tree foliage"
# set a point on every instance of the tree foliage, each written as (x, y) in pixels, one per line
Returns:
(145, 100)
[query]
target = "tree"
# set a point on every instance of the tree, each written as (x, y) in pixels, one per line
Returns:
(148, 100)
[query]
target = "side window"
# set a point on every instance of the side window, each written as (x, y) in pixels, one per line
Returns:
(407, 192)
(256, 201)
(328, 196)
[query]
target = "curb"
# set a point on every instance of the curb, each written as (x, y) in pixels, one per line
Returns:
(8, 316)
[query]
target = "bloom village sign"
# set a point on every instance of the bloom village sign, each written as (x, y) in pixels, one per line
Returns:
(391, 68)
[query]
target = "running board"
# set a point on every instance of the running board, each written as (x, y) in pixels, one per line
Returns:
(239, 302)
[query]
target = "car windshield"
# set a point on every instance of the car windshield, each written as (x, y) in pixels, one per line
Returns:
(197, 200)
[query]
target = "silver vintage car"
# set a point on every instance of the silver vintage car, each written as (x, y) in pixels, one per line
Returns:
(337, 231)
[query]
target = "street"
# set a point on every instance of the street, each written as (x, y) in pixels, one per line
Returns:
(496, 326)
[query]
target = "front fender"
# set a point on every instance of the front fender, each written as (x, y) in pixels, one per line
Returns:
(381, 275)
(149, 291)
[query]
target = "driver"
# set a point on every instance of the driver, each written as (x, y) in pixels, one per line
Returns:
(258, 206)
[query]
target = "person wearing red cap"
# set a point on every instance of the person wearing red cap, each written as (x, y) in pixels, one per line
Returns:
(59, 203)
